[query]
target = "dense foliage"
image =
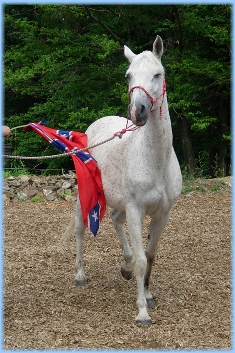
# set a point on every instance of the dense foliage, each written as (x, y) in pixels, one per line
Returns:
(65, 64)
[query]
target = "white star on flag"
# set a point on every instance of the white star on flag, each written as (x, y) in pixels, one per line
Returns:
(95, 216)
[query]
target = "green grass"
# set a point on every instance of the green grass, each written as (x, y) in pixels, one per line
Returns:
(18, 168)
(37, 198)
(195, 184)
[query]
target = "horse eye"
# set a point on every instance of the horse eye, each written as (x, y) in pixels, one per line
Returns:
(128, 76)
(157, 75)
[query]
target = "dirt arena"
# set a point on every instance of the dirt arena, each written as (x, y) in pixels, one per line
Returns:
(191, 280)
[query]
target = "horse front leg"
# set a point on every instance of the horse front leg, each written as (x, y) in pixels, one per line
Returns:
(156, 228)
(134, 218)
(118, 218)
(79, 230)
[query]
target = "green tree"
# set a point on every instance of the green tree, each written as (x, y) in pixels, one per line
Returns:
(199, 81)
(65, 64)
(57, 70)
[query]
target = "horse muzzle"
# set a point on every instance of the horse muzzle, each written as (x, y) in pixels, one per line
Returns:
(138, 114)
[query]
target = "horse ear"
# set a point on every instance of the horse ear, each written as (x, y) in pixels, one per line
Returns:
(128, 54)
(158, 47)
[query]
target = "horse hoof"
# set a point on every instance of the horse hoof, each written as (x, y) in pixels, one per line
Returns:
(150, 302)
(126, 274)
(79, 283)
(144, 322)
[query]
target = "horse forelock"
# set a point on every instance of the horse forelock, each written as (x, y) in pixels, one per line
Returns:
(146, 57)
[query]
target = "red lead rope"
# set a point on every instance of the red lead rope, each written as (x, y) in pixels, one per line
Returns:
(132, 127)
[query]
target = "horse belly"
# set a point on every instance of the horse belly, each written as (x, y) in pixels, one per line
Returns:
(112, 185)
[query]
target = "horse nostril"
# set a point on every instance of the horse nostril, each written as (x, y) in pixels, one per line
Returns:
(142, 110)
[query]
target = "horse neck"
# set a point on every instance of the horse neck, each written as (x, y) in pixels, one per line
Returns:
(158, 132)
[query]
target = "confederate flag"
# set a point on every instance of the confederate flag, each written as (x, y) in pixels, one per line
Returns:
(90, 189)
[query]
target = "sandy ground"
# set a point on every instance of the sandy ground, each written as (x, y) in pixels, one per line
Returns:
(191, 280)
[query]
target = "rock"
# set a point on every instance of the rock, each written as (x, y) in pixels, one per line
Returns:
(66, 176)
(9, 195)
(21, 196)
(14, 182)
(73, 181)
(52, 180)
(43, 180)
(30, 191)
(70, 198)
(47, 191)
(60, 192)
(6, 187)
(24, 184)
(23, 178)
(50, 197)
(72, 174)
(50, 188)
(58, 184)
(63, 192)
(66, 185)
(36, 180)
(40, 193)
(189, 194)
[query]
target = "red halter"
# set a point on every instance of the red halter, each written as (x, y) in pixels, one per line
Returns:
(150, 97)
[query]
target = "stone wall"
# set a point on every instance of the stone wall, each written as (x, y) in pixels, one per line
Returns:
(39, 188)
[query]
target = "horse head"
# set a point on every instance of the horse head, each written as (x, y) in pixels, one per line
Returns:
(146, 82)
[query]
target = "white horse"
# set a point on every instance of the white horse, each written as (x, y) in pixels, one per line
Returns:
(140, 172)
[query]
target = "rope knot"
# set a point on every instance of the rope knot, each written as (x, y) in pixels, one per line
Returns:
(120, 133)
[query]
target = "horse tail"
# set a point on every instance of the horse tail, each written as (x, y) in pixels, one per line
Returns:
(69, 230)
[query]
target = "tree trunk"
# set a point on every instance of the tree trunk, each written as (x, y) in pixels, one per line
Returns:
(187, 149)
(223, 153)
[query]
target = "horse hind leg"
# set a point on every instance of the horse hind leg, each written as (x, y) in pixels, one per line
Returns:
(156, 228)
(79, 230)
(118, 218)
